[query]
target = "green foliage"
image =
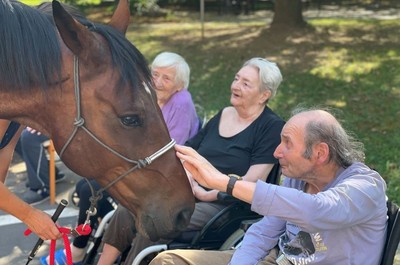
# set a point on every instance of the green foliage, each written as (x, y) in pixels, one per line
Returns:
(393, 183)
(83, 2)
(145, 6)
(73, 2)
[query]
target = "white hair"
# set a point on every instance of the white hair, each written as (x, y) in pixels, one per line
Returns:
(170, 59)
(269, 74)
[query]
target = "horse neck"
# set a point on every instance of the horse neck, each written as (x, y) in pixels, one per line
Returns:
(31, 107)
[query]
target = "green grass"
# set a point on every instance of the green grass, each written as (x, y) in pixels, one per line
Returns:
(352, 66)
(33, 2)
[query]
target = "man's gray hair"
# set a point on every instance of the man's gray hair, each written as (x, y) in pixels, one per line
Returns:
(170, 59)
(344, 149)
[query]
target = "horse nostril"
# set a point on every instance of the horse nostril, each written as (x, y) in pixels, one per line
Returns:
(183, 218)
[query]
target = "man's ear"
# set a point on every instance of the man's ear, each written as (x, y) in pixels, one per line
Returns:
(321, 151)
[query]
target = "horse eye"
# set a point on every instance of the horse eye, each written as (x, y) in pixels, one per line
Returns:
(131, 121)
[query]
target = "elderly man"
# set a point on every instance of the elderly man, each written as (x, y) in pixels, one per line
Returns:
(331, 208)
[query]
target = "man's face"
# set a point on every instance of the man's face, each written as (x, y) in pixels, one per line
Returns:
(291, 149)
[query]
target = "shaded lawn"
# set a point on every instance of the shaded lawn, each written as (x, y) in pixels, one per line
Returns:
(351, 66)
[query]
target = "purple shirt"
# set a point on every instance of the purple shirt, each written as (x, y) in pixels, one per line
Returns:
(181, 117)
(343, 224)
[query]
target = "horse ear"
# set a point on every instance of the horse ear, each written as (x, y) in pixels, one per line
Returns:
(75, 35)
(120, 18)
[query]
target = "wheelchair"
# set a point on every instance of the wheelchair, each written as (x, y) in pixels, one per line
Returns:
(216, 231)
(393, 235)
(96, 240)
(212, 236)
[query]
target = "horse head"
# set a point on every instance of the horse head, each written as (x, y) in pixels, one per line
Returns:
(111, 122)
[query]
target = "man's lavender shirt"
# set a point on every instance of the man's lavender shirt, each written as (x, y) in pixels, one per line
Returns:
(345, 223)
(181, 117)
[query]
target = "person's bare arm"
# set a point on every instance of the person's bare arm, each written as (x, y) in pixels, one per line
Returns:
(258, 172)
(254, 173)
(39, 222)
(109, 255)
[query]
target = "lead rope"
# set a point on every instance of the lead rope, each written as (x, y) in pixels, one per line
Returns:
(67, 247)
(80, 230)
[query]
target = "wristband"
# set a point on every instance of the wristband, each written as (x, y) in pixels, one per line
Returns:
(231, 183)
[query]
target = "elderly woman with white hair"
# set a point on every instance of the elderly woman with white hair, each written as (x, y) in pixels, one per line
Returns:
(171, 76)
(239, 140)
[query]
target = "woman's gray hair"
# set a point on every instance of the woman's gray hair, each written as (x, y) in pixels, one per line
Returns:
(344, 149)
(269, 73)
(170, 59)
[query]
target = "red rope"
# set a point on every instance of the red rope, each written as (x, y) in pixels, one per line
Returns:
(82, 230)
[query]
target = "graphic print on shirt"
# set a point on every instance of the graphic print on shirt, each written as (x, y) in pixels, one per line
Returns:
(301, 247)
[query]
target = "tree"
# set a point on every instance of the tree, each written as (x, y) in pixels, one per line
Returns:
(288, 13)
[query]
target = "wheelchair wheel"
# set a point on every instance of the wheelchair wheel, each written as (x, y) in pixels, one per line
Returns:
(74, 199)
(233, 241)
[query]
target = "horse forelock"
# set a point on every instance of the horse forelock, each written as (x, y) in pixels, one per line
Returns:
(130, 62)
(30, 53)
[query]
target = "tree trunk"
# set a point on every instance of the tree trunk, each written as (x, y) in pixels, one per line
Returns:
(288, 13)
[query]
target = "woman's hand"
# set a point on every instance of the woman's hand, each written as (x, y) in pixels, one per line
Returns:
(192, 182)
(200, 169)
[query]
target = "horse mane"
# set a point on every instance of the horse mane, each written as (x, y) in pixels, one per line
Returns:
(130, 62)
(30, 53)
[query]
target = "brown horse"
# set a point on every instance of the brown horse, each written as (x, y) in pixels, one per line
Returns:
(89, 89)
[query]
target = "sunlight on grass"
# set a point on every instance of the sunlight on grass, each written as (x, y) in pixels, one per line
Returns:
(336, 103)
(320, 22)
(340, 65)
(77, 2)
(33, 2)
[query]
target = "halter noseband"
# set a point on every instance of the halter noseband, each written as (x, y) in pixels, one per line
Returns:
(80, 123)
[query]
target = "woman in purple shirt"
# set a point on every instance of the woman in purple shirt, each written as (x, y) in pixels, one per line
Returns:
(171, 76)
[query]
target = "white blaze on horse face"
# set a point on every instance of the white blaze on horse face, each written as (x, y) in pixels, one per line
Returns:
(147, 88)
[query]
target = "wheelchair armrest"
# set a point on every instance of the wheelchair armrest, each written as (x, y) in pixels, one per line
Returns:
(226, 198)
(245, 224)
